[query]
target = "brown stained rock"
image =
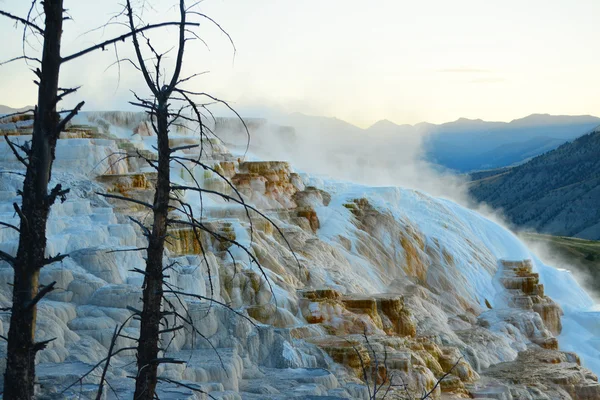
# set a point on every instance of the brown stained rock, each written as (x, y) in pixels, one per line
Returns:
(551, 314)
(345, 352)
(311, 215)
(414, 263)
(546, 368)
(126, 182)
(262, 225)
(183, 241)
(311, 196)
(353, 314)
(431, 362)
(265, 167)
(272, 179)
(272, 315)
(248, 182)
(548, 343)
(451, 359)
(262, 313)
(431, 348)
(320, 294)
(528, 294)
(81, 133)
(226, 168)
(394, 310)
(17, 118)
(452, 384)
(363, 305)
(332, 317)
(372, 221)
(405, 325)
(360, 208)
(414, 361)
(226, 234)
(527, 284)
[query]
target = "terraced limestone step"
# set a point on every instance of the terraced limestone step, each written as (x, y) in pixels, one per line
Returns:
(527, 293)
(347, 314)
(187, 240)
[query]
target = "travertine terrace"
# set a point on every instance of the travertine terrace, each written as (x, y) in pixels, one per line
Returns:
(435, 288)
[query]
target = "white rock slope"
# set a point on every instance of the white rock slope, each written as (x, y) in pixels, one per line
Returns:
(436, 287)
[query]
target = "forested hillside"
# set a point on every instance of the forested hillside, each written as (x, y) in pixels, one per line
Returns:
(556, 193)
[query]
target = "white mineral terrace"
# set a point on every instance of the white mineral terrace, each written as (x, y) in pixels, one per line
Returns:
(432, 283)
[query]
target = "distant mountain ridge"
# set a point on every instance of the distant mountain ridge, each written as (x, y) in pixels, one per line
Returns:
(556, 193)
(467, 145)
(4, 110)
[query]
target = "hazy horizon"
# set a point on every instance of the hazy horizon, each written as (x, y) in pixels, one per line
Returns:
(398, 60)
(270, 113)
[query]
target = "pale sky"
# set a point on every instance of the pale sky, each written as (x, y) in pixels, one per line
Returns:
(360, 61)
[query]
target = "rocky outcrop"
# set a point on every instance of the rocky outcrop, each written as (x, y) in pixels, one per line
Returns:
(558, 374)
(525, 292)
(352, 314)
(273, 181)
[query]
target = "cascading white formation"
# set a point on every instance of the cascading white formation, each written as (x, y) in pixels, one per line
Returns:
(435, 287)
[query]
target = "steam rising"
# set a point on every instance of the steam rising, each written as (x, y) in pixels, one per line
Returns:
(378, 156)
(550, 256)
(382, 155)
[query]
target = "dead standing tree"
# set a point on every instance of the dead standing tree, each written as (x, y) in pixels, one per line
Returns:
(148, 343)
(37, 157)
(165, 93)
(158, 107)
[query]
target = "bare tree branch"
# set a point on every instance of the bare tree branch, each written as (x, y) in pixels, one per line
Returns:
(10, 226)
(8, 258)
(105, 369)
(57, 258)
(57, 192)
(42, 345)
(66, 92)
(199, 297)
(23, 21)
(44, 291)
(114, 196)
(428, 394)
(6, 116)
(218, 26)
(15, 152)
(72, 113)
(122, 38)
(21, 58)
(179, 61)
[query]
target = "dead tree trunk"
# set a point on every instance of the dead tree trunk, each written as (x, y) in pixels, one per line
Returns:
(19, 377)
(151, 316)
(20, 368)
(164, 91)
(148, 346)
